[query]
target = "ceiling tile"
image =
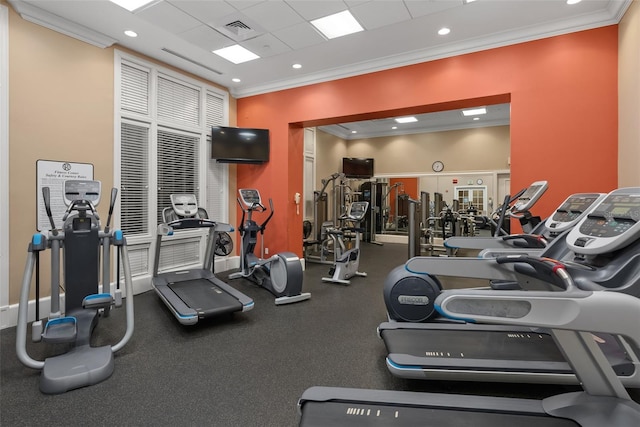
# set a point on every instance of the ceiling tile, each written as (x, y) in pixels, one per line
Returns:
(352, 3)
(265, 45)
(299, 36)
(377, 14)
(206, 38)
(273, 16)
(243, 4)
(421, 7)
(313, 9)
(204, 10)
(168, 17)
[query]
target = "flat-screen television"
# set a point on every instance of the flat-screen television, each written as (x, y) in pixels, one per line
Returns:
(239, 145)
(357, 168)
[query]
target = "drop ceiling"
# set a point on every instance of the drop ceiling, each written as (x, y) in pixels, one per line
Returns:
(496, 115)
(183, 33)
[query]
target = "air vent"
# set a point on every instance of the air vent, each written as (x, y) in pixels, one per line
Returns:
(199, 64)
(238, 27)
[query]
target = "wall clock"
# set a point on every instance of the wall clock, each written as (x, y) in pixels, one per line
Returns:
(437, 166)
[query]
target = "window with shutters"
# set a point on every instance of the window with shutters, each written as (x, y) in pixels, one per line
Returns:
(177, 166)
(163, 147)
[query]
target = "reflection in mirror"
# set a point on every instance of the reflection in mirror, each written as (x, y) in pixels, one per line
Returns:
(474, 158)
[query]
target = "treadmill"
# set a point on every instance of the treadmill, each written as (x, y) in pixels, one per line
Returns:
(567, 315)
(564, 217)
(194, 294)
(602, 252)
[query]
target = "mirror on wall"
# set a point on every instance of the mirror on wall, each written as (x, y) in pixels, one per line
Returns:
(460, 157)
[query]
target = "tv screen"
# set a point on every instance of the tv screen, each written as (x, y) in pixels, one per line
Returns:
(357, 168)
(239, 145)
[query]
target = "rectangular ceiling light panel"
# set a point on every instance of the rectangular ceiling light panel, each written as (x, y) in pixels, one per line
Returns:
(236, 54)
(131, 5)
(337, 25)
(474, 112)
(406, 119)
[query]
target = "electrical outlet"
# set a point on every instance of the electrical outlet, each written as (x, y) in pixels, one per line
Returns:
(266, 251)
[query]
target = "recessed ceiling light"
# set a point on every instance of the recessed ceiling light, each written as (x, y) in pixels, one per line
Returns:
(131, 5)
(406, 119)
(394, 127)
(476, 118)
(354, 131)
(236, 54)
(297, 66)
(467, 1)
(130, 33)
(235, 80)
(474, 111)
(573, 1)
(337, 25)
(444, 31)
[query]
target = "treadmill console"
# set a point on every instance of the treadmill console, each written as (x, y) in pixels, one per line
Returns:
(530, 196)
(612, 224)
(79, 189)
(250, 196)
(184, 205)
(572, 210)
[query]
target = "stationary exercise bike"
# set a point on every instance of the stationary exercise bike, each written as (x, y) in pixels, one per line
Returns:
(280, 274)
(346, 264)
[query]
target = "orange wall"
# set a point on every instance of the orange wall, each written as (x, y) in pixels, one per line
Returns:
(564, 109)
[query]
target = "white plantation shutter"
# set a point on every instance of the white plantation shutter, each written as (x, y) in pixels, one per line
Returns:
(177, 166)
(134, 95)
(177, 254)
(178, 102)
(217, 173)
(134, 178)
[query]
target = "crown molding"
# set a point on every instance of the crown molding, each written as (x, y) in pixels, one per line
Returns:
(611, 16)
(56, 23)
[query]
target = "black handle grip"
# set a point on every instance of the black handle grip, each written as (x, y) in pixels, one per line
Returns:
(546, 269)
(531, 240)
(46, 196)
(112, 203)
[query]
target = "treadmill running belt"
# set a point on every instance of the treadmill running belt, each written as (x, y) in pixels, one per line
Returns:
(516, 345)
(357, 414)
(205, 297)
(519, 350)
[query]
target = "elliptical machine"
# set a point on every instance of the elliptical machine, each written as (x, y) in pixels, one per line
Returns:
(82, 242)
(280, 274)
(346, 265)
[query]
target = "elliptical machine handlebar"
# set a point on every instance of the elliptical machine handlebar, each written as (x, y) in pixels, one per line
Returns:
(258, 207)
(46, 196)
(112, 203)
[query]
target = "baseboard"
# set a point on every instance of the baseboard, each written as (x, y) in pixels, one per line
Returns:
(392, 238)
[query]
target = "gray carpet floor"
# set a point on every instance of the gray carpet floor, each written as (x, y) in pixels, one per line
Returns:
(247, 369)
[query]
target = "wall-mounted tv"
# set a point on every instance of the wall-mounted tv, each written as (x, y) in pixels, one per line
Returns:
(357, 168)
(239, 145)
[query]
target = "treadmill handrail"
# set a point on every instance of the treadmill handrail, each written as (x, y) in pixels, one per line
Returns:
(572, 317)
(192, 222)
